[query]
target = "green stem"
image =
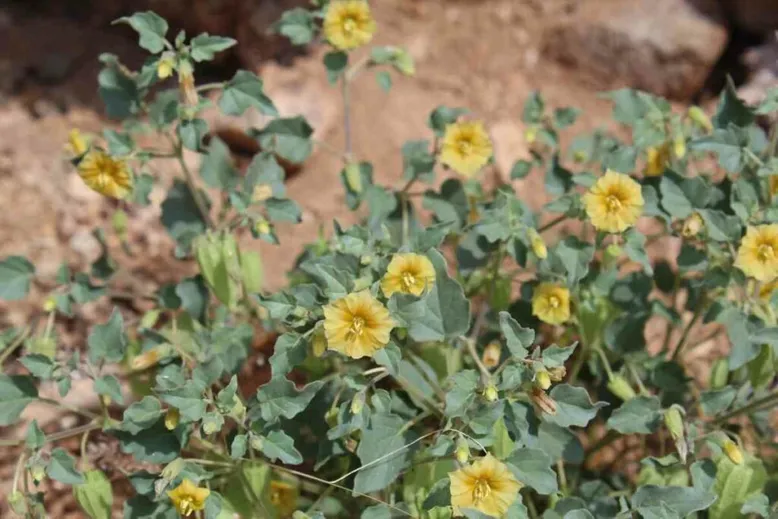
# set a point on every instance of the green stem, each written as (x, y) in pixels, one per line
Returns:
(756, 405)
(552, 223)
(83, 412)
(210, 86)
(15, 344)
(199, 201)
(687, 331)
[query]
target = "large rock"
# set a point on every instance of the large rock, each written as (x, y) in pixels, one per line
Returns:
(667, 47)
(757, 16)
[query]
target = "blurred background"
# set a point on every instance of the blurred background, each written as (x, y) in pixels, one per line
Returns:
(486, 55)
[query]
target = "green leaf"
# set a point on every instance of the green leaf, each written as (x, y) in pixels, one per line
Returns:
(462, 393)
(16, 391)
(520, 169)
(639, 415)
(180, 215)
(107, 342)
(141, 415)
(283, 210)
(732, 109)
(518, 338)
(245, 90)
(447, 312)
(150, 27)
(191, 132)
(203, 47)
(109, 385)
(279, 398)
(216, 168)
(650, 499)
(418, 162)
(555, 356)
(62, 467)
(727, 144)
(290, 350)
(34, 439)
(442, 116)
(119, 144)
(39, 366)
(735, 484)
(289, 138)
(502, 445)
(533, 468)
(758, 504)
(298, 25)
(335, 62)
(280, 446)
(439, 495)
(721, 227)
(118, 91)
(188, 399)
(381, 453)
(635, 247)
(15, 275)
(95, 495)
(384, 80)
(154, 445)
(715, 401)
(575, 256)
(574, 407)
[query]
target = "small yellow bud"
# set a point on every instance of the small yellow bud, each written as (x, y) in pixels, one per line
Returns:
(557, 374)
(105, 400)
(319, 342)
(700, 118)
(365, 259)
(358, 403)
(172, 417)
(77, 143)
(491, 356)
(543, 379)
(262, 192)
(679, 146)
(403, 62)
(579, 156)
(145, 360)
(38, 472)
(165, 65)
(612, 253)
(692, 225)
(733, 452)
(462, 451)
(530, 134)
(490, 393)
(262, 226)
(353, 176)
(656, 160)
(50, 304)
(538, 245)
(619, 386)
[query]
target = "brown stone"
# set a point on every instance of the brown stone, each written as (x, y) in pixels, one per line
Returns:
(667, 47)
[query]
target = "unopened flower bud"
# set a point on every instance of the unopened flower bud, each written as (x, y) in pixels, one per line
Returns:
(557, 374)
(50, 304)
(358, 403)
(462, 451)
(530, 134)
(700, 118)
(366, 259)
(544, 402)
(543, 379)
(17, 503)
(165, 65)
(145, 360)
(331, 417)
(38, 472)
(105, 400)
(491, 356)
(613, 252)
(261, 193)
(173, 469)
(186, 86)
(619, 386)
(579, 156)
(679, 146)
(353, 175)
(319, 342)
(656, 160)
(238, 410)
(77, 144)
(262, 226)
(719, 374)
(692, 225)
(172, 417)
(256, 442)
(674, 422)
(538, 245)
(733, 452)
(490, 393)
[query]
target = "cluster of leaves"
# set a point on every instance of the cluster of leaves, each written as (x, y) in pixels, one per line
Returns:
(468, 369)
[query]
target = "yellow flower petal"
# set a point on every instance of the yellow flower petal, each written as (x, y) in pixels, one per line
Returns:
(357, 325)
(349, 24)
(614, 203)
(466, 147)
(486, 485)
(551, 303)
(283, 497)
(78, 144)
(106, 175)
(408, 273)
(757, 256)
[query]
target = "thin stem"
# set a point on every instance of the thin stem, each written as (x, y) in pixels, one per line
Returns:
(560, 467)
(210, 86)
(605, 362)
(756, 405)
(15, 344)
(56, 436)
(202, 206)
(687, 331)
(552, 223)
(83, 412)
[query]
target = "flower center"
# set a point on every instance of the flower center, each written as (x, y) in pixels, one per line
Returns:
(765, 252)
(481, 490)
(408, 280)
(349, 25)
(187, 505)
(465, 147)
(554, 302)
(613, 203)
(357, 326)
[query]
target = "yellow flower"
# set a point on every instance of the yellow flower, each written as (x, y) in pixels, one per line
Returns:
(188, 498)
(78, 144)
(283, 496)
(106, 175)
(466, 147)
(491, 356)
(657, 160)
(408, 273)
(733, 452)
(551, 303)
(349, 24)
(172, 418)
(165, 66)
(692, 225)
(757, 256)
(538, 245)
(357, 325)
(614, 203)
(486, 485)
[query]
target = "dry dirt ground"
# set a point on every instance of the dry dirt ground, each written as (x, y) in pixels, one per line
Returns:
(483, 55)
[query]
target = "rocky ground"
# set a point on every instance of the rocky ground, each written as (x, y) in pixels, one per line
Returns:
(486, 55)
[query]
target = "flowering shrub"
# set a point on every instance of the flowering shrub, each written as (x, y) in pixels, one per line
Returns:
(456, 353)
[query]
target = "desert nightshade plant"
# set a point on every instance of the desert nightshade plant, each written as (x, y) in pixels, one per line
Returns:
(455, 353)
